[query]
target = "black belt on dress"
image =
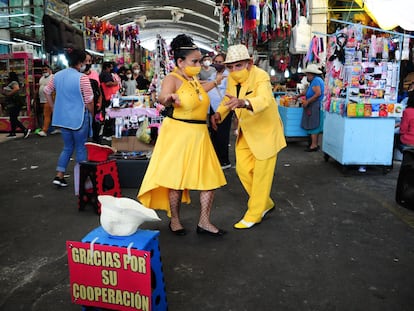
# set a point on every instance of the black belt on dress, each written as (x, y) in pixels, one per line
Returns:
(191, 121)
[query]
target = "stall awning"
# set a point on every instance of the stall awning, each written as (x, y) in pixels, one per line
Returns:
(389, 14)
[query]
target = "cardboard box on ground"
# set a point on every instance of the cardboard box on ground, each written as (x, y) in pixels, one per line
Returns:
(130, 143)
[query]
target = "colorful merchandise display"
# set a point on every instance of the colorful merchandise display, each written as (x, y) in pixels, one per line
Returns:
(362, 74)
(361, 88)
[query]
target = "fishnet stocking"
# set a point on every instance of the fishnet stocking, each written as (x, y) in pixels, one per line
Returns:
(175, 202)
(206, 201)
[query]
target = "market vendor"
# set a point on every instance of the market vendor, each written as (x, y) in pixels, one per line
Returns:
(407, 124)
(312, 117)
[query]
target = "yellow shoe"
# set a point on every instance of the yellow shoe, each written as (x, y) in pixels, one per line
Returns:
(242, 224)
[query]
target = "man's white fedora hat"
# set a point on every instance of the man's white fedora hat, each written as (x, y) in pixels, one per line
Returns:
(236, 53)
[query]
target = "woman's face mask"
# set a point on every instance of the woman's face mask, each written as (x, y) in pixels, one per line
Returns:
(136, 71)
(129, 76)
(192, 71)
(46, 74)
(207, 63)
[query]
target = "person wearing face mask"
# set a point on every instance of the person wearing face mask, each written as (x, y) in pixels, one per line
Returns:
(130, 84)
(110, 84)
(72, 109)
(207, 71)
(97, 122)
(183, 158)
(221, 137)
(249, 94)
(46, 108)
(142, 83)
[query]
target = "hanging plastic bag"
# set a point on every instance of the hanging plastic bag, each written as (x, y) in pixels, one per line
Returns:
(301, 37)
(143, 132)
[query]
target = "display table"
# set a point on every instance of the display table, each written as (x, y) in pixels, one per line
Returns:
(131, 172)
(291, 118)
(358, 141)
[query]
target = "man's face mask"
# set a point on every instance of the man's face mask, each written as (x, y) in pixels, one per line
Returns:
(240, 76)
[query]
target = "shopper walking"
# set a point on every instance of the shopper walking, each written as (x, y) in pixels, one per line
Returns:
(14, 103)
(184, 158)
(72, 109)
(46, 107)
(312, 117)
(260, 131)
(221, 137)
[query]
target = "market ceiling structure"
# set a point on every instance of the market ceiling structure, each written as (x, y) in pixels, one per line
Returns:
(165, 17)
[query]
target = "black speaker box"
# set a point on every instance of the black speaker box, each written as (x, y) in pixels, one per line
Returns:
(404, 194)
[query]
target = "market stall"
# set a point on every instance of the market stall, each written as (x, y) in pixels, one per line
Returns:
(361, 90)
(291, 114)
(22, 63)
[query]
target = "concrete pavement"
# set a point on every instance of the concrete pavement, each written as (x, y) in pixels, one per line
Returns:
(336, 241)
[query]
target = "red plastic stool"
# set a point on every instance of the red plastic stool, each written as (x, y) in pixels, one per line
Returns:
(104, 178)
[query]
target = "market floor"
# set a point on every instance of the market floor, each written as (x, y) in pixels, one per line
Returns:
(336, 241)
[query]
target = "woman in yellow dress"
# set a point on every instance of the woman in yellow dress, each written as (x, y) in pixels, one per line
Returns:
(184, 158)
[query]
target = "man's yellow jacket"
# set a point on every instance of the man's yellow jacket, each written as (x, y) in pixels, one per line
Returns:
(262, 128)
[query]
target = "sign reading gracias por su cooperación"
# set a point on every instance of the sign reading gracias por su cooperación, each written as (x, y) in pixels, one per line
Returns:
(109, 276)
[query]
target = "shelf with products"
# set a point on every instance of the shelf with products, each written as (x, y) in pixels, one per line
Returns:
(362, 72)
(361, 90)
(22, 64)
(364, 89)
(136, 124)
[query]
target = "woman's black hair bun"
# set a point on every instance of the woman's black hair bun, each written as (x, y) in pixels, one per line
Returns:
(181, 41)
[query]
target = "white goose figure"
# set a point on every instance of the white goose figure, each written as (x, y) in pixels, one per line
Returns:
(123, 216)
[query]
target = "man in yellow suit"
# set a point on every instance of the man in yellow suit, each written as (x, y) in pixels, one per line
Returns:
(260, 138)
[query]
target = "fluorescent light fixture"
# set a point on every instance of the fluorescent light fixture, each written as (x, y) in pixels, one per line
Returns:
(6, 42)
(14, 15)
(94, 52)
(286, 74)
(35, 26)
(27, 42)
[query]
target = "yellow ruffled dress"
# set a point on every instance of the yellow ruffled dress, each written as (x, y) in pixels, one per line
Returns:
(183, 157)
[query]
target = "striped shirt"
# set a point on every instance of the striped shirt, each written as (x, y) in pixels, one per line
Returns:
(85, 86)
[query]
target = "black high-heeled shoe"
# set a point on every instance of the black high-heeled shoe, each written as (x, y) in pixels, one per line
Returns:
(179, 232)
(219, 233)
